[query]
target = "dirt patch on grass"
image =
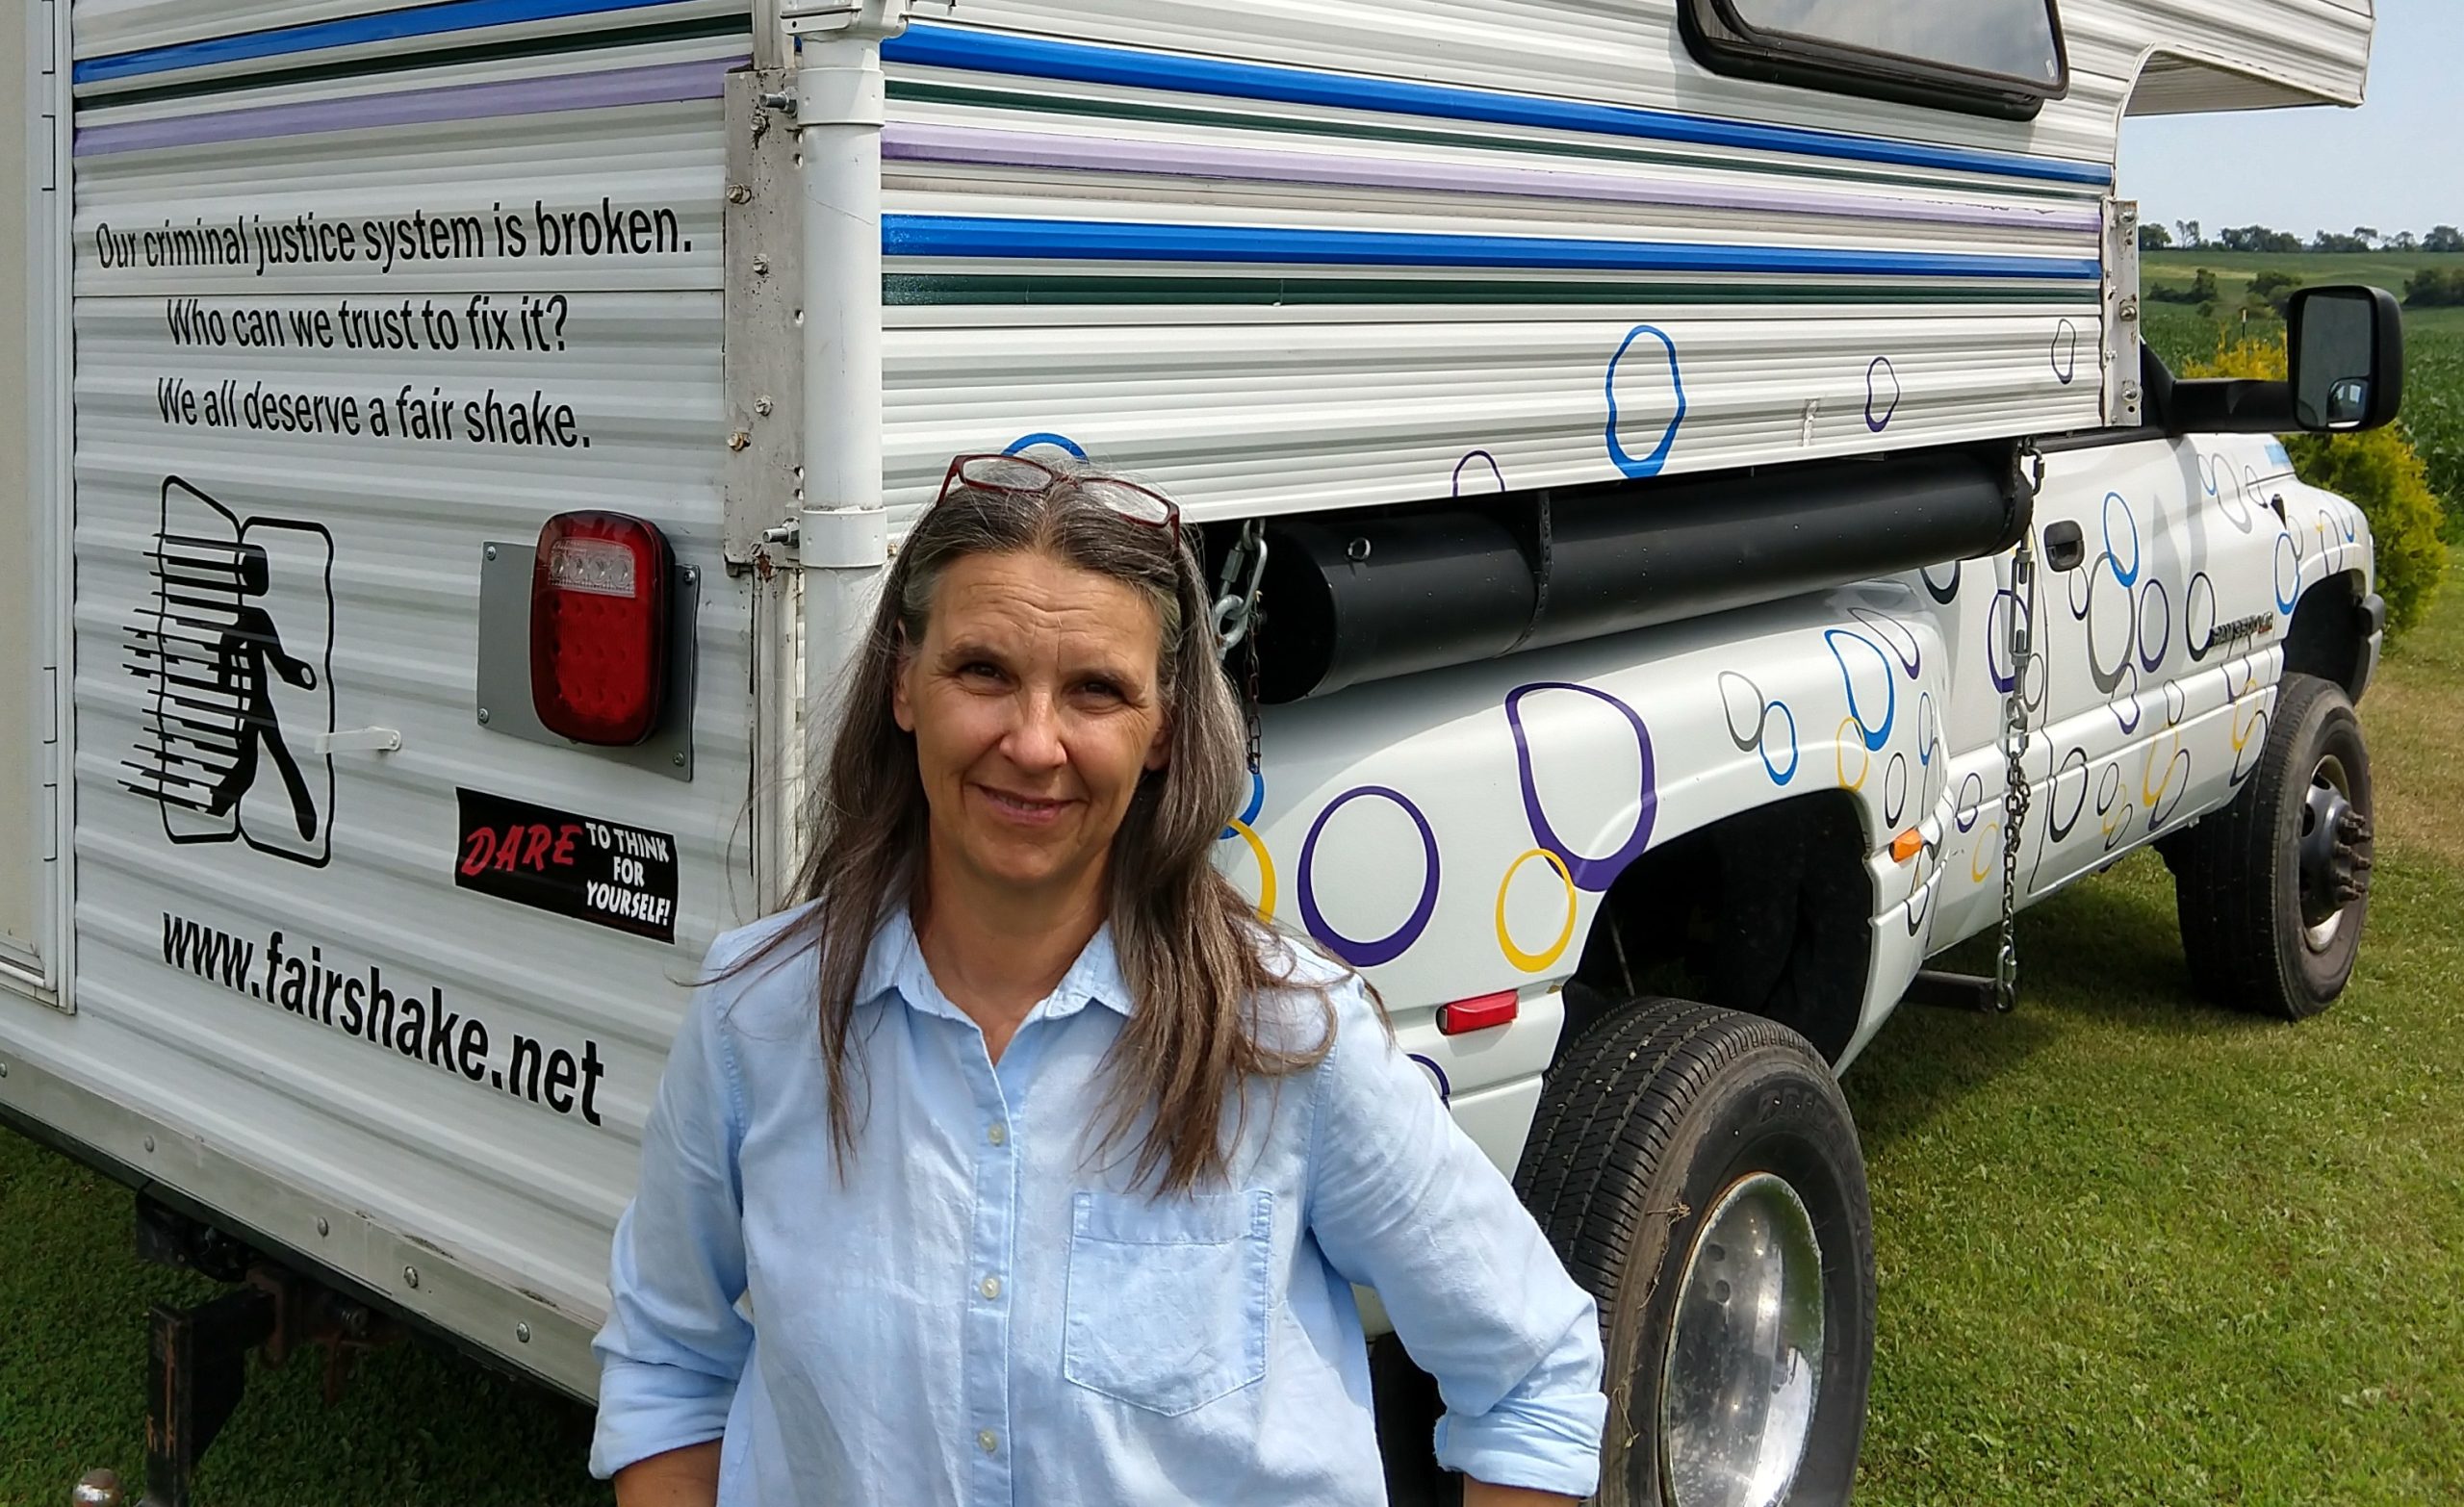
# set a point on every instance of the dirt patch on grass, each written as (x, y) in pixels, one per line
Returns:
(2415, 722)
(2418, 768)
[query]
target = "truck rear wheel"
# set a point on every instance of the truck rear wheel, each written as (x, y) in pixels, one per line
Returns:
(2272, 890)
(1699, 1172)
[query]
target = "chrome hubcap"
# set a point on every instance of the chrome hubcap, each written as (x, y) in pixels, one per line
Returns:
(2334, 865)
(1744, 1361)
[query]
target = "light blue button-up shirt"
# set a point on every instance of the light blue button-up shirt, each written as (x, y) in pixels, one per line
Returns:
(979, 1313)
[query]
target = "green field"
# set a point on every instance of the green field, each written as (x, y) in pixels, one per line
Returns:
(2388, 270)
(2434, 338)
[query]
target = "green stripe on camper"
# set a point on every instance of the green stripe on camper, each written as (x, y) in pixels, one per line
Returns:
(560, 44)
(1056, 104)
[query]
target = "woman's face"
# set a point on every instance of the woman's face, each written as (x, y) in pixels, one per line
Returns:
(1034, 703)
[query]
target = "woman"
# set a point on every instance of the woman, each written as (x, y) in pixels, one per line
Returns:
(1065, 1202)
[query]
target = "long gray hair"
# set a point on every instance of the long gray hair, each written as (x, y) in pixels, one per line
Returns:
(1197, 960)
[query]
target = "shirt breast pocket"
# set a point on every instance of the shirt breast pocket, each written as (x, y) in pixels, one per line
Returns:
(1168, 1299)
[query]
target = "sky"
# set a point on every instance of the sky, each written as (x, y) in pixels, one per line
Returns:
(2395, 164)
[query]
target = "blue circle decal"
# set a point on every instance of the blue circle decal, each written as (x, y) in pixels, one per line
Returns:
(1641, 467)
(1874, 736)
(1059, 442)
(2130, 520)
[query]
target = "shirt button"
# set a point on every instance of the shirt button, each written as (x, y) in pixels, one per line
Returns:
(989, 1286)
(998, 1134)
(988, 1441)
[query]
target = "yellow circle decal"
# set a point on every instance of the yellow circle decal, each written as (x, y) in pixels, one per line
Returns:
(1266, 870)
(1851, 733)
(2148, 797)
(1537, 963)
(1981, 867)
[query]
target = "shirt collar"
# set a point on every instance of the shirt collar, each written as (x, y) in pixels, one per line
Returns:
(894, 967)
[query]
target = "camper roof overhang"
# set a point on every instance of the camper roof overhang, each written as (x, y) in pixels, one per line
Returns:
(2239, 56)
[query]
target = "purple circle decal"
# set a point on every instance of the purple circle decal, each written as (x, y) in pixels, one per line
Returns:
(1894, 632)
(1594, 875)
(2197, 639)
(1385, 949)
(1997, 639)
(1882, 387)
(1473, 464)
(2155, 606)
(2058, 825)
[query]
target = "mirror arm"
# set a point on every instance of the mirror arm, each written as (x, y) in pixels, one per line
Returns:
(2156, 386)
(2228, 405)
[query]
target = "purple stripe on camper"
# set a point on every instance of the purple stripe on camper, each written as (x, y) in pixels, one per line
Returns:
(932, 144)
(659, 83)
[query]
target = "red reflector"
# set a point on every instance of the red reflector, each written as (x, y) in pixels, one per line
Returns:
(599, 629)
(1479, 1014)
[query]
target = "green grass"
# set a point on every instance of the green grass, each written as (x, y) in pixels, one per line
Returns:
(417, 1426)
(2135, 1249)
(2132, 1249)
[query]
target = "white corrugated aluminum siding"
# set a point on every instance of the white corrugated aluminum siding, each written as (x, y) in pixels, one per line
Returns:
(506, 1202)
(1281, 256)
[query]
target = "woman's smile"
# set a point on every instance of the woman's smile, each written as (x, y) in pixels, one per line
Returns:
(1024, 809)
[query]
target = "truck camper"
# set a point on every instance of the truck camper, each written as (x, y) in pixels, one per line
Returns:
(1699, 533)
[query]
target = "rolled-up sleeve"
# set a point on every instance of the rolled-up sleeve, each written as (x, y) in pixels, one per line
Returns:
(1403, 1201)
(675, 1344)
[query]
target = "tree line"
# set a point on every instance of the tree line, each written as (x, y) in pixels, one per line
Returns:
(2432, 288)
(2187, 235)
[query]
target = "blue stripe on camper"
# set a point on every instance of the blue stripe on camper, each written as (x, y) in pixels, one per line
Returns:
(1104, 241)
(988, 52)
(425, 20)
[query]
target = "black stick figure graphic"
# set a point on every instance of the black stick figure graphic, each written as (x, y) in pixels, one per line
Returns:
(249, 647)
(236, 648)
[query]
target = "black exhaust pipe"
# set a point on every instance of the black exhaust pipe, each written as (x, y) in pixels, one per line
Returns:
(1368, 597)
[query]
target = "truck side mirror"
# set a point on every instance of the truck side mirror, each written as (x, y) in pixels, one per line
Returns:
(2348, 358)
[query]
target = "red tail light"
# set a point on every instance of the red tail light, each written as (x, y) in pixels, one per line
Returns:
(599, 628)
(1476, 1014)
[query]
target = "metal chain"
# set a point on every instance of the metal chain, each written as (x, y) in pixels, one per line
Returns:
(1236, 622)
(2015, 739)
(1236, 600)
(1250, 725)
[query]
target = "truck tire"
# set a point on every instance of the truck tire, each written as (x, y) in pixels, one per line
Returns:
(1693, 1166)
(2272, 890)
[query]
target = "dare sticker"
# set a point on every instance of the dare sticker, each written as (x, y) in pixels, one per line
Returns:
(603, 871)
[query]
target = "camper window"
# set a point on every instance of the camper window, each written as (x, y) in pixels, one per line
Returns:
(1987, 57)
